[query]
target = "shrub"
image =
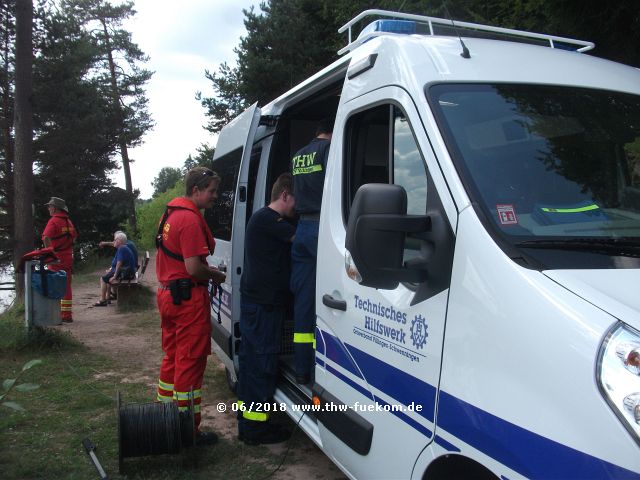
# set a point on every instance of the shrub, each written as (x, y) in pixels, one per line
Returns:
(150, 213)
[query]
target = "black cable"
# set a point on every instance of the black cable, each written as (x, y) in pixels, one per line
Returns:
(149, 429)
(289, 443)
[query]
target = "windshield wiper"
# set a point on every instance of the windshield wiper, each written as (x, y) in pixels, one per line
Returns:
(611, 246)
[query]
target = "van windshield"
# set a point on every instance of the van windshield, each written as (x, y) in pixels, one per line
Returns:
(548, 165)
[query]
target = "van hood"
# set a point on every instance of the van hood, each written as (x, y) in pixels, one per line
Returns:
(616, 291)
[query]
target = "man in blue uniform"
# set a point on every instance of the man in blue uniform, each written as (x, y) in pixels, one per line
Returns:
(265, 291)
(308, 167)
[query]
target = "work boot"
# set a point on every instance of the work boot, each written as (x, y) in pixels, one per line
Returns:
(265, 436)
(206, 438)
(67, 320)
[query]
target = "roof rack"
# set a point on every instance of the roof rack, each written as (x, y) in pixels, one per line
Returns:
(582, 46)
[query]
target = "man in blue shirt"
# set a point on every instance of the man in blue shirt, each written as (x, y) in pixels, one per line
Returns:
(264, 288)
(123, 267)
(308, 167)
(130, 244)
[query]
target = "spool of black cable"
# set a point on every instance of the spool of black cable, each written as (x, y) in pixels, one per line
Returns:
(155, 428)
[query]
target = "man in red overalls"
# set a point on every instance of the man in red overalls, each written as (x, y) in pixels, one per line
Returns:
(184, 241)
(60, 234)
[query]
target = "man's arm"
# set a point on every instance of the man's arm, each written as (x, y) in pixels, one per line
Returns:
(116, 271)
(199, 270)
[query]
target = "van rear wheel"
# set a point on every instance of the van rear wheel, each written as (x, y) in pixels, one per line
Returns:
(231, 381)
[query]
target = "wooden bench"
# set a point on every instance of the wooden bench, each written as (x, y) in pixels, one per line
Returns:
(128, 290)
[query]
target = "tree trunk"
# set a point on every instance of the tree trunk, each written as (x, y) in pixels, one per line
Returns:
(6, 122)
(124, 152)
(23, 170)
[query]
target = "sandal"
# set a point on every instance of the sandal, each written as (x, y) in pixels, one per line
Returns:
(101, 303)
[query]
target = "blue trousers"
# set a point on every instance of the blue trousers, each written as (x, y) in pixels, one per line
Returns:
(261, 329)
(304, 252)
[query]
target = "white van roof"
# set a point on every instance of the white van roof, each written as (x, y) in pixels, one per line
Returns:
(437, 59)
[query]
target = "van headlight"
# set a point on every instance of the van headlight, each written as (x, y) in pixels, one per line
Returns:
(619, 375)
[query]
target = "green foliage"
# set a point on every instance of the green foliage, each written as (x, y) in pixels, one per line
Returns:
(77, 399)
(167, 178)
(77, 124)
(289, 40)
(103, 23)
(14, 336)
(150, 213)
(12, 384)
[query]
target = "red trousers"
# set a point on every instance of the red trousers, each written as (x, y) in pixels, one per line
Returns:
(66, 304)
(186, 342)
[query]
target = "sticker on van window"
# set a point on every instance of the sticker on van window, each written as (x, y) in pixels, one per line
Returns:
(507, 214)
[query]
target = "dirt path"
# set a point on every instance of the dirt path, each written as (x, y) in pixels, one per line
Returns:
(119, 336)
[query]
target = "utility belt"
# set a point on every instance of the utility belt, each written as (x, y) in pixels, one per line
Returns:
(181, 289)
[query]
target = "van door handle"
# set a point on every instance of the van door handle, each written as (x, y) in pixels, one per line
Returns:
(331, 302)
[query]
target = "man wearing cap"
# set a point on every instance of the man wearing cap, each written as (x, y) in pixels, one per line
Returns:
(60, 234)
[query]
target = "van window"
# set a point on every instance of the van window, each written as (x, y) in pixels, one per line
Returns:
(381, 148)
(220, 216)
(552, 168)
(408, 165)
(254, 164)
(367, 144)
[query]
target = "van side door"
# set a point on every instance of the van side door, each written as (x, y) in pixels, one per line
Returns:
(379, 351)
(227, 220)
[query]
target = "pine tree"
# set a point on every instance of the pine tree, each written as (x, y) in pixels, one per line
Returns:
(289, 40)
(7, 40)
(123, 81)
(23, 167)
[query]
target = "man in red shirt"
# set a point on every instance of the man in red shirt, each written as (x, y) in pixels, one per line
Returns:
(60, 234)
(184, 242)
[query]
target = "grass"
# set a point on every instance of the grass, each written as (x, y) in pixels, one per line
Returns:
(85, 271)
(139, 298)
(76, 399)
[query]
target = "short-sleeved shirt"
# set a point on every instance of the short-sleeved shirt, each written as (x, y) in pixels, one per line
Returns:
(134, 250)
(267, 258)
(124, 255)
(308, 167)
(183, 235)
(62, 233)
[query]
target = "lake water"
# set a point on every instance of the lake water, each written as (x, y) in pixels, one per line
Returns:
(6, 296)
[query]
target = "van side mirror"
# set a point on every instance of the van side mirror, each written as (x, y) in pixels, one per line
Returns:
(376, 232)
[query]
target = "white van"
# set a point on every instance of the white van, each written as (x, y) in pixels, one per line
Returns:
(478, 277)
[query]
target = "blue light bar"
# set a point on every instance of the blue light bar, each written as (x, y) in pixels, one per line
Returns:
(404, 27)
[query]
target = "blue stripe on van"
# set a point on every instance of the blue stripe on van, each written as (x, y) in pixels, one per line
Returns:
(528, 453)
(337, 353)
(399, 385)
(319, 341)
(446, 445)
(407, 419)
(350, 382)
(525, 452)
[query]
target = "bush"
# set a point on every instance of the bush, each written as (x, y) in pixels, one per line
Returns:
(150, 213)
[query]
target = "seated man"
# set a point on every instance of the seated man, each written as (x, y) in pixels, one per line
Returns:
(130, 244)
(123, 267)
